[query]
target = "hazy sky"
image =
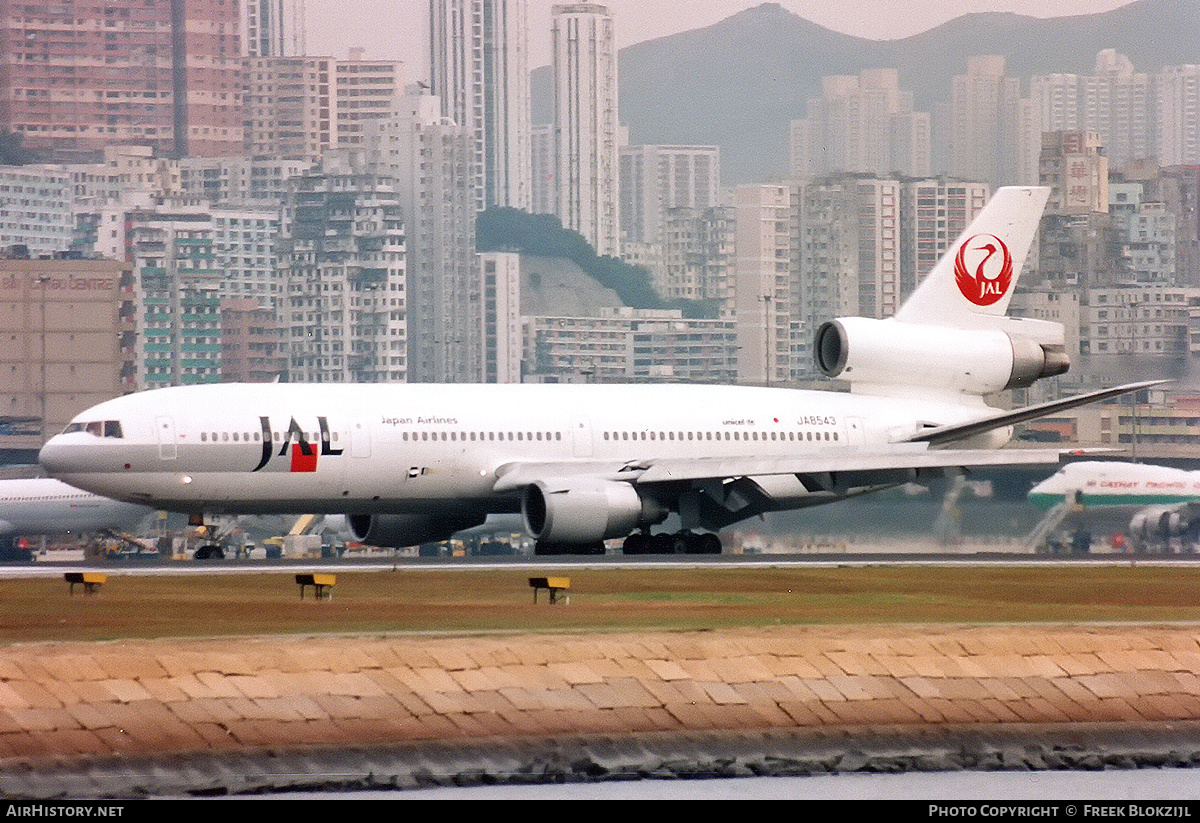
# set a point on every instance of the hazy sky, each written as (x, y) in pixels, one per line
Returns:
(397, 29)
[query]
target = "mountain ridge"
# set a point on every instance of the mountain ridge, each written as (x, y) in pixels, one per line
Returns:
(740, 82)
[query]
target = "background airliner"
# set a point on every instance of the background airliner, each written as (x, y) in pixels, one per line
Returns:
(586, 463)
(1157, 507)
(43, 506)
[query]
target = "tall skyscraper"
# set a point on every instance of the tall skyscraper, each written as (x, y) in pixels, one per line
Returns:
(300, 107)
(479, 69)
(1116, 102)
(654, 179)
(342, 260)
(585, 123)
(1178, 123)
(273, 28)
(985, 120)
(861, 124)
(429, 158)
(766, 239)
(76, 78)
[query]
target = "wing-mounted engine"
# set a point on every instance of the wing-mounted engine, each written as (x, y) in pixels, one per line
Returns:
(1164, 529)
(583, 510)
(396, 531)
(874, 355)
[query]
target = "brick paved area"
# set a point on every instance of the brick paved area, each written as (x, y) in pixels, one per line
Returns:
(153, 697)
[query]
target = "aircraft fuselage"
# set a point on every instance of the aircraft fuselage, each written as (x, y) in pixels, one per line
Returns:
(323, 448)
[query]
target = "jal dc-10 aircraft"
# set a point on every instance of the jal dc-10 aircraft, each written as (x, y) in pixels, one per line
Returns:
(586, 463)
(43, 505)
(1159, 506)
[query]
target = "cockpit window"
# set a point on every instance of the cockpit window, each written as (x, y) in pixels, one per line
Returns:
(100, 428)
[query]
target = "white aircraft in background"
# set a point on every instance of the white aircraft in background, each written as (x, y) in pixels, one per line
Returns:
(43, 505)
(585, 463)
(1158, 506)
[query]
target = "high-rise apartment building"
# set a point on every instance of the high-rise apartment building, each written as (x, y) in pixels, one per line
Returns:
(252, 343)
(301, 107)
(1116, 102)
(861, 124)
(1074, 166)
(35, 209)
(850, 251)
(273, 28)
(933, 213)
(763, 282)
(585, 123)
(500, 294)
(985, 123)
(76, 78)
(654, 179)
(177, 296)
(697, 256)
(1178, 114)
(544, 192)
(341, 253)
(68, 340)
(428, 157)
(480, 72)
(363, 90)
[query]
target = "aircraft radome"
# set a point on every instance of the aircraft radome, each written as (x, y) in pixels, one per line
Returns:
(586, 463)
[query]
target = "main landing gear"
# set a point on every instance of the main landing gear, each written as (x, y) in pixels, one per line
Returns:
(678, 543)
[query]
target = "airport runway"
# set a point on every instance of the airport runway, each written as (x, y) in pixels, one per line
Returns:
(565, 563)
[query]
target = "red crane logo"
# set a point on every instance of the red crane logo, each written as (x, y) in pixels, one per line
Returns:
(991, 269)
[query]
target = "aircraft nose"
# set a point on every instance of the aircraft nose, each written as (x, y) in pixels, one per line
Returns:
(54, 457)
(62, 456)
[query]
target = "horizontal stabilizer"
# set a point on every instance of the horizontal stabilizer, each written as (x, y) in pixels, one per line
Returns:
(961, 431)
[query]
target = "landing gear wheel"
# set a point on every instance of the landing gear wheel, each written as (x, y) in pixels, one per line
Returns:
(210, 552)
(636, 543)
(709, 544)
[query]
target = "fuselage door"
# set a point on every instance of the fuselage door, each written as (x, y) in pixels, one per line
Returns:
(854, 431)
(582, 434)
(166, 437)
(360, 439)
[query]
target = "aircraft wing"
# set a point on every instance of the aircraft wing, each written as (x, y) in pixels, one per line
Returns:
(960, 431)
(909, 456)
(913, 454)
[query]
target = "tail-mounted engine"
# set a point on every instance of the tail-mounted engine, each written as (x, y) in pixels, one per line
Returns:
(975, 361)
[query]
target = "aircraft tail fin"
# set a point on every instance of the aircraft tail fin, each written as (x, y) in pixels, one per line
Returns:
(953, 337)
(975, 279)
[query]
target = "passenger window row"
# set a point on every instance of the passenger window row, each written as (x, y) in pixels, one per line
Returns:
(477, 437)
(727, 435)
(246, 437)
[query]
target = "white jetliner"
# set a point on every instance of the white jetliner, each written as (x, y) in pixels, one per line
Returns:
(586, 463)
(1159, 506)
(43, 505)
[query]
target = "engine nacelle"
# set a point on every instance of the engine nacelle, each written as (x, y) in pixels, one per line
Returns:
(978, 361)
(585, 511)
(395, 531)
(1159, 522)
